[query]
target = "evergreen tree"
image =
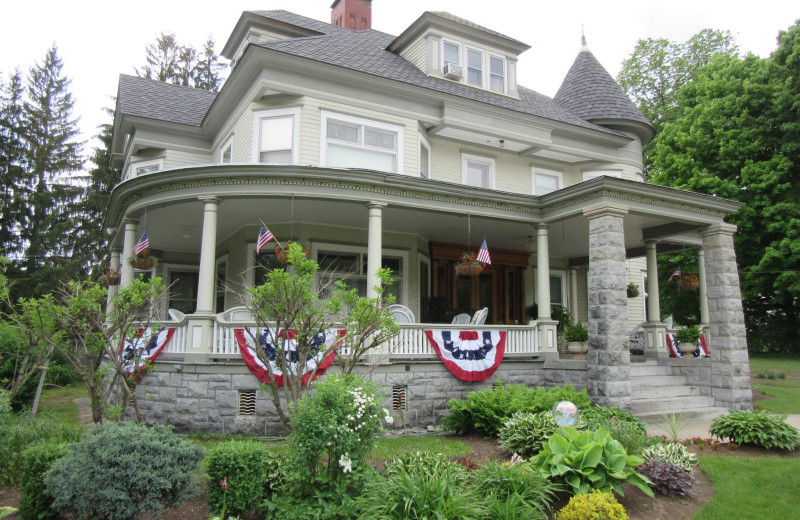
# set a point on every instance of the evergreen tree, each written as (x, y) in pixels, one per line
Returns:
(170, 62)
(12, 166)
(53, 155)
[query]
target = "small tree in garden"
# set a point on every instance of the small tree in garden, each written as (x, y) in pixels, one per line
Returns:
(294, 314)
(72, 321)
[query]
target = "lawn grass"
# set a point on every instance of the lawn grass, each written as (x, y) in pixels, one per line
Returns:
(785, 392)
(751, 488)
(58, 402)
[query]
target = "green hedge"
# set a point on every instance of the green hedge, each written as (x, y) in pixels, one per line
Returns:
(36, 501)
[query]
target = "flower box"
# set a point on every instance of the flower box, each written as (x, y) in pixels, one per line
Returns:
(468, 269)
(143, 261)
(633, 290)
(110, 278)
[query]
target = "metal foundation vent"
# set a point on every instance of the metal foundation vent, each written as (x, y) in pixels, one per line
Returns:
(399, 402)
(247, 402)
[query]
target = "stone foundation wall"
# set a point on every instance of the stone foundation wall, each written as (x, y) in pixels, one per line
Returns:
(696, 371)
(205, 397)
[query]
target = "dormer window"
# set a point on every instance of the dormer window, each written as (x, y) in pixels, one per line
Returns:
(497, 74)
(474, 66)
(451, 54)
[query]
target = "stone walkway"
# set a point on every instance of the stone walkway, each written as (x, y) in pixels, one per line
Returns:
(84, 411)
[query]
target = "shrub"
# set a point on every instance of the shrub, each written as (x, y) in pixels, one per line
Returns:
(672, 453)
(418, 493)
(667, 478)
(336, 425)
(756, 427)
(513, 491)
(19, 431)
(35, 501)
(576, 332)
(485, 411)
(688, 334)
(250, 473)
(589, 460)
(121, 470)
(525, 433)
(587, 506)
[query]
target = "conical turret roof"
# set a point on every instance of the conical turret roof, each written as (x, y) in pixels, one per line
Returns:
(589, 91)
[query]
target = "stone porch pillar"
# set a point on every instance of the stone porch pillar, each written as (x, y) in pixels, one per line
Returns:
(206, 283)
(112, 289)
(548, 334)
(701, 285)
(128, 244)
(608, 359)
(374, 245)
(730, 369)
(654, 331)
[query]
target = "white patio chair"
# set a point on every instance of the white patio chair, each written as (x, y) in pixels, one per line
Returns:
(176, 315)
(461, 319)
(401, 313)
(238, 314)
(480, 316)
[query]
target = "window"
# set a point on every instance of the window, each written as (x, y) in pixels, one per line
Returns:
(145, 167)
(556, 289)
(226, 156)
(546, 181)
(477, 171)
(497, 74)
(424, 158)
(349, 142)
(599, 173)
(222, 280)
(183, 290)
(451, 53)
(275, 136)
(474, 68)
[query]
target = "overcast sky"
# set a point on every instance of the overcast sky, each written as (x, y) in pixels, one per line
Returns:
(98, 40)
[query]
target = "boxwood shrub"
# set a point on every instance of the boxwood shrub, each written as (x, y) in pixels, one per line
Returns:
(35, 500)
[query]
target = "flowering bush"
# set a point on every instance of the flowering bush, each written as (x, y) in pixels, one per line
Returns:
(334, 428)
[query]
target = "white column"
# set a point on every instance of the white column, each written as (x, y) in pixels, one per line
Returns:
(374, 245)
(701, 284)
(542, 272)
(573, 294)
(128, 243)
(653, 303)
(112, 289)
(206, 283)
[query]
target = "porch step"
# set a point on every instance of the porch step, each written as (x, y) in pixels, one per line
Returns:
(686, 404)
(680, 389)
(650, 381)
(649, 368)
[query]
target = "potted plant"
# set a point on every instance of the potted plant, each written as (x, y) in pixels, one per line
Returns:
(110, 277)
(282, 254)
(469, 265)
(143, 260)
(687, 338)
(633, 290)
(576, 336)
(688, 282)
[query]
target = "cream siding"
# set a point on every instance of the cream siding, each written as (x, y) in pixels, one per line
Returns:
(415, 53)
(637, 269)
(177, 158)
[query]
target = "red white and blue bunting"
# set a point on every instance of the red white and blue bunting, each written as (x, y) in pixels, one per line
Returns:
(143, 349)
(470, 355)
(321, 357)
(675, 350)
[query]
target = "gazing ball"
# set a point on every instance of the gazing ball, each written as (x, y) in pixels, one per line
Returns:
(565, 413)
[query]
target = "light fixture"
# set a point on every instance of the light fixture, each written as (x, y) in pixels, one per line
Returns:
(502, 143)
(187, 234)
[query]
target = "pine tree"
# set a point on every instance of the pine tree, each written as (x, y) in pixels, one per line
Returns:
(12, 166)
(53, 155)
(163, 60)
(170, 62)
(209, 68)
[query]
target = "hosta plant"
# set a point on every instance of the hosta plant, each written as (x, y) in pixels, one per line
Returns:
(756, 427)
(589, 460)
(672, 453)
(667, 478)
(525, 433)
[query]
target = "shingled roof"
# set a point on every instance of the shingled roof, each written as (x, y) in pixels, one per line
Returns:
(153, 99)
(590, 92)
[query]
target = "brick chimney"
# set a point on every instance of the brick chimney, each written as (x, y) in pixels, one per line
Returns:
(352, 14)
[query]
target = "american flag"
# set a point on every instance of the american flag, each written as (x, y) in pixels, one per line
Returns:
(483, 253)
(264, 236)
(143, 244)
(676, 273)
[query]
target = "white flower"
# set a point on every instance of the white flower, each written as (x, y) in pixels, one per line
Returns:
(389, 419)
(346, 464)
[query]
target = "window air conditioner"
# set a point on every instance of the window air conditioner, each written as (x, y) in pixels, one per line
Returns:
(452, 71)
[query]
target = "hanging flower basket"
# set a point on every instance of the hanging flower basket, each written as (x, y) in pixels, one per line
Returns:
(283, 254)
(469, 265)
(633, 290)
(143, 261)
(111, 277)
(688, 282)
